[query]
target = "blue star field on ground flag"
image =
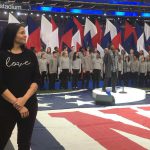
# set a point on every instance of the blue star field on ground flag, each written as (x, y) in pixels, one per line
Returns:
(69, 100)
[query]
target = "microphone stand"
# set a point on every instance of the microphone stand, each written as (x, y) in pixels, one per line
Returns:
(123, 92)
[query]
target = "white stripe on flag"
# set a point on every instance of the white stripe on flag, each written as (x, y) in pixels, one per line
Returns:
(67, 134)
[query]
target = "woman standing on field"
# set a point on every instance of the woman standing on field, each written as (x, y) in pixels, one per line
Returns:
(19, 80)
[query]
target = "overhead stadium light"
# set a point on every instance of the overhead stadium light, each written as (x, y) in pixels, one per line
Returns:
(105, 14)
(123, 14)
(145, 15)
(49, 9)
(86, 11)
(5, 12)
(18, 13)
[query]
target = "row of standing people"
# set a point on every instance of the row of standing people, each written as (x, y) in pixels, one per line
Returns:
(83, 63)
(75, 63)
(126, 67)
(134, 68)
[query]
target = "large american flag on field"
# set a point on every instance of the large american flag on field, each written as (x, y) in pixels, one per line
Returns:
(72, 120)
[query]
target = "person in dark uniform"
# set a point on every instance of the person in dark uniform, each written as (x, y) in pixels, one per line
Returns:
(19, 80)
(111, 68)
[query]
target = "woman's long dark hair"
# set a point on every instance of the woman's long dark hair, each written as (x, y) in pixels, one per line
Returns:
(74, 56)
(9, 36)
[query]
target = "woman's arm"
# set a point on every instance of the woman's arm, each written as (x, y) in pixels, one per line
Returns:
(4, 91)
(8, 96)
(21, 101)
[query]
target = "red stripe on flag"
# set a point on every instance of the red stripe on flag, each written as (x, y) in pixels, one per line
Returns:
(117, 40)
(130, 114)
(54, 26)
(129, 29)
(80, 27)
(67, 38)
(145, 108)
(34, 40)
(98, 37)
(100, 129)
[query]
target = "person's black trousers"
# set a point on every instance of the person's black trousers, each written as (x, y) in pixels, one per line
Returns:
(142, 80)
(43, 77)
(148, 80)
(86, 77)
(120, 78)
(52, 80)
(75, 78)
(9, 117)
(96, 77)
(64, 78)
(126, 78)
(113, 80)
(134, 79)
(106, 80)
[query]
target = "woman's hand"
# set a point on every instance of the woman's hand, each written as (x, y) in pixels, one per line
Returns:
(19, 103)
(24, 112)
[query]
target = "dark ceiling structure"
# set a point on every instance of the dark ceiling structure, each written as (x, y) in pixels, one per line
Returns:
(84, 5)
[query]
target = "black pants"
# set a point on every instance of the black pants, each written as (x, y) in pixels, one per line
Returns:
(113, 81)
(52, 80)
(120, 77)
(9, 116)
(126, 78)
(75, 78)
(64, 78)
(142, 80)
(86, 77)
(148, 79)
(96, 77)
(43, 77)
(134, 79)
(47, 72)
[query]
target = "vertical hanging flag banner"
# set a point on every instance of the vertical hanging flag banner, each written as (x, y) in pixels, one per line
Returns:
(90, 31)
(98, 37)
(66, 37)
(46, 30)
(130, 37)
(147, 36)
(34, 35)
